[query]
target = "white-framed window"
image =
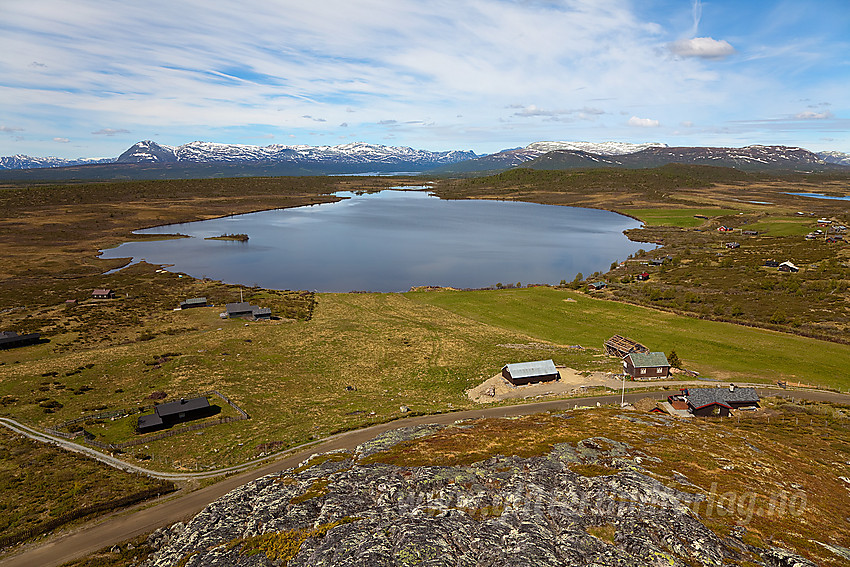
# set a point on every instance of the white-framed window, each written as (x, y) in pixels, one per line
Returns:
(643, 370)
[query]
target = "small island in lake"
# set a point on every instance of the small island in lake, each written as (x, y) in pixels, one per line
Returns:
(239, 237)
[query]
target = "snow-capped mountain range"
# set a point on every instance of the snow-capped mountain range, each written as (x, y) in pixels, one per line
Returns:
(207, 152)
(362, 156)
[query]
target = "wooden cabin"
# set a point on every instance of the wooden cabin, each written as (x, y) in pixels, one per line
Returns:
(193, 302)
(11, 339)
(704, 402)
(520, 373)
(171, 413)
(646, 365)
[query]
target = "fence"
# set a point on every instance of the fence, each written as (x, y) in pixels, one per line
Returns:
(164, 434)
(92, 440)
(24, 534)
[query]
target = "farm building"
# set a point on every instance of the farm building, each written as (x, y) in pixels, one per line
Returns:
(642, 277)
(103, 294)
(171, 413)
(621, 346)
(258, 313)
(194, 302)
(715, 401)
(646, 365)
(788, 267)
(771, 263)
(520, 373)
(733, 245)
(596, 286)
(246, 311)
(11, 339)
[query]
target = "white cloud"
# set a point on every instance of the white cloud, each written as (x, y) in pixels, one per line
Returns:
(61, 140)
(812, 115)
(643, 122)
(10, 129)
(110, 132)
(687, 124)
(702, 47)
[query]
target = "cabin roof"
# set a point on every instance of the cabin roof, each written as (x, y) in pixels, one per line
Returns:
(181, 405)
(701, 397)
(648, 359)
(528, 369)
(242, 307)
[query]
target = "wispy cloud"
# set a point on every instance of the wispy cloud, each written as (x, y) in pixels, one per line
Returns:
(812, 115)
(110, 132)
(61, 140)
(10, 129)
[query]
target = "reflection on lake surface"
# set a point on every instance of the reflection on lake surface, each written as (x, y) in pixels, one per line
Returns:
(392, 240)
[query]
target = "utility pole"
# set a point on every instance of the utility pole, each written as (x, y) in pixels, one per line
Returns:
(623, 394)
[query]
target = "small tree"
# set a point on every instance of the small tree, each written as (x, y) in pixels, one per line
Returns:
(576, 283)
(673, 359)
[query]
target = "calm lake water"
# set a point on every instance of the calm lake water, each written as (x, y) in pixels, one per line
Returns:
(821, 196)
(392, 240)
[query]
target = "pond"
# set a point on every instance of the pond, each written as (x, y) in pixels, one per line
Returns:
(821, 196)
(393, 240)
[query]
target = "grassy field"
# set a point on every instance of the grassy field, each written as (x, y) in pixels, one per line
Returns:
(783, 226)
(683, 218)
(363, 356)
(39, 483)
(717, 350)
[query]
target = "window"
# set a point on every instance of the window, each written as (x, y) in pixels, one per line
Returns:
(643, 370)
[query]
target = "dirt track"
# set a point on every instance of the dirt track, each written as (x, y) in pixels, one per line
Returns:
(89, 538)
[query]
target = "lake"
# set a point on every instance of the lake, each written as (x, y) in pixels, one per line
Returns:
(821, 196)
(393, 240)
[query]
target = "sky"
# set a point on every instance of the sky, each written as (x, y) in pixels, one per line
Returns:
(89, 78)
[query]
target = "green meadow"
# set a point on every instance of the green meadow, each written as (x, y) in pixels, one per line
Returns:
(715, 349)
(682, 218)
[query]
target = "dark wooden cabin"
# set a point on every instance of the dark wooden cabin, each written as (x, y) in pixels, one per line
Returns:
(703, 402)
(646, 365)
(11, 339)
(103, 294)
(170, 413)
(193, 302)
(520, 373)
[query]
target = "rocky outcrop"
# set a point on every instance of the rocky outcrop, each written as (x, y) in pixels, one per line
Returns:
(589, 503)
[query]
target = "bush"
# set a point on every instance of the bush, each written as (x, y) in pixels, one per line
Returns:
(673, 359)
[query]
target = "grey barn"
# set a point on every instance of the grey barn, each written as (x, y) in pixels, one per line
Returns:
(520, 373)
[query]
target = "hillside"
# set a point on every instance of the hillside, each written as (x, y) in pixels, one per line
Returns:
(599, 487)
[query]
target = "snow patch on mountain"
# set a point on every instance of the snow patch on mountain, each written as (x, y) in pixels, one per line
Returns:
(600, 148)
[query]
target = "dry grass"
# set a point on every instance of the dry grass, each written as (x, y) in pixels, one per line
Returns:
(755, 471)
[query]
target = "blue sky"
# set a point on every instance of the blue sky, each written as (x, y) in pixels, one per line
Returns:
(92, 77)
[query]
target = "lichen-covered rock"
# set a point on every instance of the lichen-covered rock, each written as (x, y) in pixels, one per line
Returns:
(505, 511)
